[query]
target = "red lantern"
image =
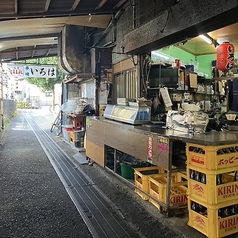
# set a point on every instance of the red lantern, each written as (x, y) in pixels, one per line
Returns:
(225, 56)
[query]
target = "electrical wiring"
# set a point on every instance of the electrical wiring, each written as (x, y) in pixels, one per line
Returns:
(162, 30)
(133, 4)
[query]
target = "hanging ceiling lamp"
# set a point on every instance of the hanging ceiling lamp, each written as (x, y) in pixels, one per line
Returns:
(225, 56)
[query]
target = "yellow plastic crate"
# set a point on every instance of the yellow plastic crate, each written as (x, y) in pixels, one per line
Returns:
(211, 193)
(212, 225)
(141, 176)
(158, 190)
(212, 157)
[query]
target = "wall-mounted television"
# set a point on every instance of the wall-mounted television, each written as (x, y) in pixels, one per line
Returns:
(167, 77)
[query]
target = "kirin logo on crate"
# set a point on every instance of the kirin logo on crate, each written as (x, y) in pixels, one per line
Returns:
(228, 191)
(138, 185)
(198, 189)
(199, 222)
(179, 199)
(228, 224)
(197, 160)
(154, 195)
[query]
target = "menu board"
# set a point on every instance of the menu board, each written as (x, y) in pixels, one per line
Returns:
(162, 152)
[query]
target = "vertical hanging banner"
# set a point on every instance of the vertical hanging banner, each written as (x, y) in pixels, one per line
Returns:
(34, 71)
(150, 149)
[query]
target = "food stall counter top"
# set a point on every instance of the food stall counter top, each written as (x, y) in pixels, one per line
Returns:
(209, 138)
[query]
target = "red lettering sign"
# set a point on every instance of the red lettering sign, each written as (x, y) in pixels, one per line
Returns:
(150, 147)
(228, 223)
(180, 199)
(197, 160)
(230, 161)
(227, 190)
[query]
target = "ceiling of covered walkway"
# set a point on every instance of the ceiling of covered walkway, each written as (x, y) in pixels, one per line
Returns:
(30, 28)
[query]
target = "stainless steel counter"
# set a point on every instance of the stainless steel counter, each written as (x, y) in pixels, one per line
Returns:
(146, 142)
(209, 138)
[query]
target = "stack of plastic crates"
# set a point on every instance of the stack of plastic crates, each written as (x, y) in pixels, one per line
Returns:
(141, 176)
(158, 190)
(213, 189)
(151, 185)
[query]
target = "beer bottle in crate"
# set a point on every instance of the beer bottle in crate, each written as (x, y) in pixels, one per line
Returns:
(236, 176)
(202, 151)
(220, 212)
(192, 174)
(194, 206)
(191, 148)
(203, 178)
(232, 149)
(227, 150)
(225, 212)
(220, 152)
(219, 179)
(233, 210)
(202, 209)
(197, 176)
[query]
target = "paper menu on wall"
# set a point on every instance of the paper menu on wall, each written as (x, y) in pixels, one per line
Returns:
(193, 80)
(166, 98)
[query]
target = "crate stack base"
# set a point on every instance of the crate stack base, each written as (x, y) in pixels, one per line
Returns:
(141, 176)
(211, 221)
(213, 189)
(158, 190)
(151, 183)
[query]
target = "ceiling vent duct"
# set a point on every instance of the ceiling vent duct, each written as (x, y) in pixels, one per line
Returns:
(72, 57)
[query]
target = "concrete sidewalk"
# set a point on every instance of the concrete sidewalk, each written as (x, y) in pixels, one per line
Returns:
(33, 201)
(119, 186)
(136, 210)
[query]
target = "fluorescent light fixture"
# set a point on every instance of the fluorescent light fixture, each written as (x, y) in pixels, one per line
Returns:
(160, 55)
(208, 40)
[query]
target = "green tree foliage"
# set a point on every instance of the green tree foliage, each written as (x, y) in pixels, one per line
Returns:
(46, 84)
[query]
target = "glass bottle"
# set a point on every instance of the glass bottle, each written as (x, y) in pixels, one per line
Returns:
(236, 176)
(233, 210)
(192, 174)
(203, 178)
(225, 212)
(219, 179)
(202, 209)
(220, 212)
(197, 176)
(195, 207)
